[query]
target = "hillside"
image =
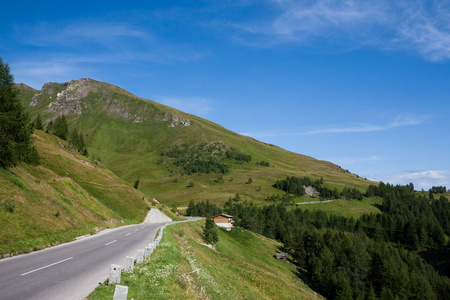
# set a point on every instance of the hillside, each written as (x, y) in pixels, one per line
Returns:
(67, 196)
(243, 266)
(176, 156)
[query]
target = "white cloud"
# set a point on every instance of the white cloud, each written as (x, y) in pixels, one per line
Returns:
(400, 121)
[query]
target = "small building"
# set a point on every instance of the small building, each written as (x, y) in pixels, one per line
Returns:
(224, 220)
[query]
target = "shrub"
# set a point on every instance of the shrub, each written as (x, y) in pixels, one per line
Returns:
(10, 205)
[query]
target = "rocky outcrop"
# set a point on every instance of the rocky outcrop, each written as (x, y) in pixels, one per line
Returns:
(174, 120)
(177, 121)
(47, 89)
(311, 191)
(69, 99)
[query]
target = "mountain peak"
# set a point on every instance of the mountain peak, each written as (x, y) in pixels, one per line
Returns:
(87, 95)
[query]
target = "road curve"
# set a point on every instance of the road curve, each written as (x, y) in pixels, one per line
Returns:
(72, 270)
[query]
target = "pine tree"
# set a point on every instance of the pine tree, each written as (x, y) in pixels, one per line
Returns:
(49, 128)
(16, 144)
(38, 122)
(191, 208)
(60, 128)
(74, 139)
(81, 142)
(210, 234)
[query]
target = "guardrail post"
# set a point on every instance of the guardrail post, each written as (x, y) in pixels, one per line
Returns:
(129, 264)
(114, 274)
(147, 252)
(140, 257)
(120, 292)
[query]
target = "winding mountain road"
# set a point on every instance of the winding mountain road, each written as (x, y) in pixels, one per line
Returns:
(72, 270)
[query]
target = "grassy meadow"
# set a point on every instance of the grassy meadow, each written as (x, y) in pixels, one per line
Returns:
(128, 134)
(346, 208)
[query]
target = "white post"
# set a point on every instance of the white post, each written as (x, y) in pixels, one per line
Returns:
(114, 274)
(140, 257)
(147, 252)
(120, 292)
(129, 264)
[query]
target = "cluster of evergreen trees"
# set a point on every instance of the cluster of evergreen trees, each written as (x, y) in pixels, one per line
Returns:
(77, 141)
(438, 189)
(205, 158)
(60, 128)
(295, 186)
(16, 144)
(203, 209)
(365, 258)
(285, 199)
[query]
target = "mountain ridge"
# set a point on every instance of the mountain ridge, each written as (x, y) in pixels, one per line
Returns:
(130, 133)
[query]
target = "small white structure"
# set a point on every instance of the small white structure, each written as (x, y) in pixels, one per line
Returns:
(224, 220)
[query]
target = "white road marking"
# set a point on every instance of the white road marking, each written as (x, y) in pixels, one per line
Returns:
(58, 262)
(136, 229)
(110, 243)
(128, 234)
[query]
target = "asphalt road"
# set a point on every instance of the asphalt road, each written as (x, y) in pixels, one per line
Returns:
(72, 270)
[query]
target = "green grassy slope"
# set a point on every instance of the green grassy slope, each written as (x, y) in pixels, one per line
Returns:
(129, 133)
(66, 196)
(243, 266)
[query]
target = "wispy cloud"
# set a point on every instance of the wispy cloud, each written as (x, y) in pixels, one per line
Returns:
(421, 179)
(193, 105)
(355, 160)
(86, 32)
(400, 121)
(422, 26)
(64, 51)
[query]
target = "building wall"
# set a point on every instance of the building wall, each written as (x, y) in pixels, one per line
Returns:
(221, 219)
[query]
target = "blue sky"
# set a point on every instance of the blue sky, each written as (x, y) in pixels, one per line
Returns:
(363, 84)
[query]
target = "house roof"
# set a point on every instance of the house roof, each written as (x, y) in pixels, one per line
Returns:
(224, 215)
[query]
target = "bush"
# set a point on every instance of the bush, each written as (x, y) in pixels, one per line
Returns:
(10, 205)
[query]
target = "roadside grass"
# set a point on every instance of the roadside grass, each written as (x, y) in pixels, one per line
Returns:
(66, 196)
(243, 266)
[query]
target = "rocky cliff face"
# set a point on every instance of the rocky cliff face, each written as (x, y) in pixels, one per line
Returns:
(78, 96)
